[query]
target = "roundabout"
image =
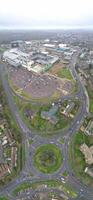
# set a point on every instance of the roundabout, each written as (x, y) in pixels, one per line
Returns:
(47, 158)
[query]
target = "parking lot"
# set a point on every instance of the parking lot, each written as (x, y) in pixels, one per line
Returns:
(38, 85)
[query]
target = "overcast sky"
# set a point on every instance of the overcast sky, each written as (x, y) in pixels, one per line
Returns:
(46, 13)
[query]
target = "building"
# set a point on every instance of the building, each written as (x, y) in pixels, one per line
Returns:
(69, 53)
(28, 65)
(43, 58)
(88, 153)
(16, 44)
(50, 115)
(1, 153)
(4, 169)
(63, 47)
(68, 108)
(13, 157)
(82, 55)
(15, 57)
(89, 171)
(35, 61)
(49, 45)
(67, 58)
(11, 59)
(89, 128)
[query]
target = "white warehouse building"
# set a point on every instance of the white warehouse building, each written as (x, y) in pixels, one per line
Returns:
(15, 57)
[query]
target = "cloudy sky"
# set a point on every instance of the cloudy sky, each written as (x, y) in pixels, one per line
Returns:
(45, 14)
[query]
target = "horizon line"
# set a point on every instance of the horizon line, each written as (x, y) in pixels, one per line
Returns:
(47, 28)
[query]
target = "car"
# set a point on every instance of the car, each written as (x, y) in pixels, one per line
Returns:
(62, 179)
(81, 190)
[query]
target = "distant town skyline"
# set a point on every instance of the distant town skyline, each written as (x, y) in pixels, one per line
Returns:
(50, 14)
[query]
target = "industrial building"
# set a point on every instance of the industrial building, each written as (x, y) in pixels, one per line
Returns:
(49, 45)
(63, 47)
(35, 61)
(44, 59)
(15, 57)
(16, 44)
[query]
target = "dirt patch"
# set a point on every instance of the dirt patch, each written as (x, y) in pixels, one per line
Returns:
(56, 67)
(39, 85)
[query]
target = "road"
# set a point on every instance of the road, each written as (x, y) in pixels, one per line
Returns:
(81, 189)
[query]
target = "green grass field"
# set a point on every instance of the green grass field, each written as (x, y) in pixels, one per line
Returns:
(65, 73)
(37, 124)
(44, 125)
(3, 198)
(47, 158)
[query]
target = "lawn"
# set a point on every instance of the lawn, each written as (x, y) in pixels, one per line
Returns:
(47, 158)
(91, 105)
(76, 158)
(42, 126)
(65, 174)
(90, 93)
(65, 73)
(30, 141)
(3, 198)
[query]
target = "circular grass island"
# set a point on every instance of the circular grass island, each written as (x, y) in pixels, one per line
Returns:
(47, 158)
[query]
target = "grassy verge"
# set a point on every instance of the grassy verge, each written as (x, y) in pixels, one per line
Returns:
(21, 156)
(65, 173)
(90, 93)
(61, 141)
(30, 141)
(50, 184)
(3, 198)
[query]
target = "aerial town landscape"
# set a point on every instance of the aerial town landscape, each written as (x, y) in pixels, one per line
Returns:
(46, 115)
(46, 100)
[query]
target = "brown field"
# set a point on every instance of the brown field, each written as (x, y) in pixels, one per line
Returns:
(38, 86)
(56, 67)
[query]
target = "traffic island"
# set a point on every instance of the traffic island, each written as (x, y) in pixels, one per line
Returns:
(60, 190)
(47, 158)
